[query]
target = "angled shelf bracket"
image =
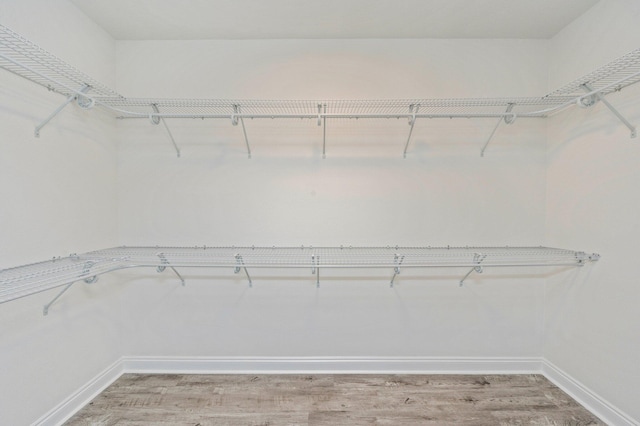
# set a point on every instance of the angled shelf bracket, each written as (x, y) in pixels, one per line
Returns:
(315, 268)
(45, 309)
(156, 119)
(413, 109)
(83, 102)
(235, 117)
(322, 121)
(477, 258)
(397, 260)
(163, 266)
(86, 270)
(240, 265)
(508, 119)
(590, 99)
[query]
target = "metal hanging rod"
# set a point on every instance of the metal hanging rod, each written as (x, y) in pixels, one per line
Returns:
(30, 279)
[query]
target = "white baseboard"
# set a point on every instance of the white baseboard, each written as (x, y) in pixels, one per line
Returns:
(81, 397)
(336, 365)
(589, 399)
(331, 365)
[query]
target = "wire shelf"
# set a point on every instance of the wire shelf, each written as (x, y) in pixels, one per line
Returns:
(34, 278)
(22, 57)
(313, 109)
(612, 77)
(26, 59)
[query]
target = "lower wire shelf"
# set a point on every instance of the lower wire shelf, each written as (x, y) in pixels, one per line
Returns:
(30, 279)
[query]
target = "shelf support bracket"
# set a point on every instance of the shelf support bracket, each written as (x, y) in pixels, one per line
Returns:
(89, 280)
(508, 119)
(155, 119)
(45, 309)
(397, 259)
(589, 101)
(83, 102)
(477, 258)
(322, 109)
(234, 121)
(86, 270)
(240, 263)
(164, 265)
(315, 268)
(412, 121)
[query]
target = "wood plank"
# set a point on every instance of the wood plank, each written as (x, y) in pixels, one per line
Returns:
(319, 400)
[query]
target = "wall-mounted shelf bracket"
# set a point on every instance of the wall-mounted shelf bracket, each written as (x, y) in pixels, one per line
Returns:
(90, 280)
(593, 96)
(508, 119)
(83, 102)
(477, 258)
(36, 132)
(413, 109)
(45, 309)
(315, 269)
(322, 109)
(583, 258)
(155, 120)
(164, 265)
(240, 263)
(234, 120)
(87, 270)
(397, 260)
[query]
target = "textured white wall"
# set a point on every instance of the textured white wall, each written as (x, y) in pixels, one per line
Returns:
(58, 196)
(364, 193)
(591, 328)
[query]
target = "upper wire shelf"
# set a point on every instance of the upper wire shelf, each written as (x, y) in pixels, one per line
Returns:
(320, 109)
(612, 77)
(24, 58)
(34, 278)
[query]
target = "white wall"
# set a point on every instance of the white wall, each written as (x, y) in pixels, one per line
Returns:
(71, 190)
(364, 193)
(58, 196)
(591, 328)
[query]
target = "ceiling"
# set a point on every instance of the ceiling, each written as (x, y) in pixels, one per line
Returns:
(269, 19)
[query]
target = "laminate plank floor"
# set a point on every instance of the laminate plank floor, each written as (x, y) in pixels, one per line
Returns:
(323, 400)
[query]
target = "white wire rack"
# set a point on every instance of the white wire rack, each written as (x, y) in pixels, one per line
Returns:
(320, 109)
(22, 57)
(34, 278)
(26, 59)
(611, 77)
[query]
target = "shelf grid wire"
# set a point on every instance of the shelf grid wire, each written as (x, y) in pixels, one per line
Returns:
(26, 59)
(22, 57)
(30, 279)
(348, 257)
(332, 109)
(625, 68)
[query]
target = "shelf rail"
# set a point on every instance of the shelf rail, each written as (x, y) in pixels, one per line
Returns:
(30, 279)
(24, 58)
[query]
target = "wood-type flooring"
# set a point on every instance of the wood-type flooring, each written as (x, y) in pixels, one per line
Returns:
(322, 400)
